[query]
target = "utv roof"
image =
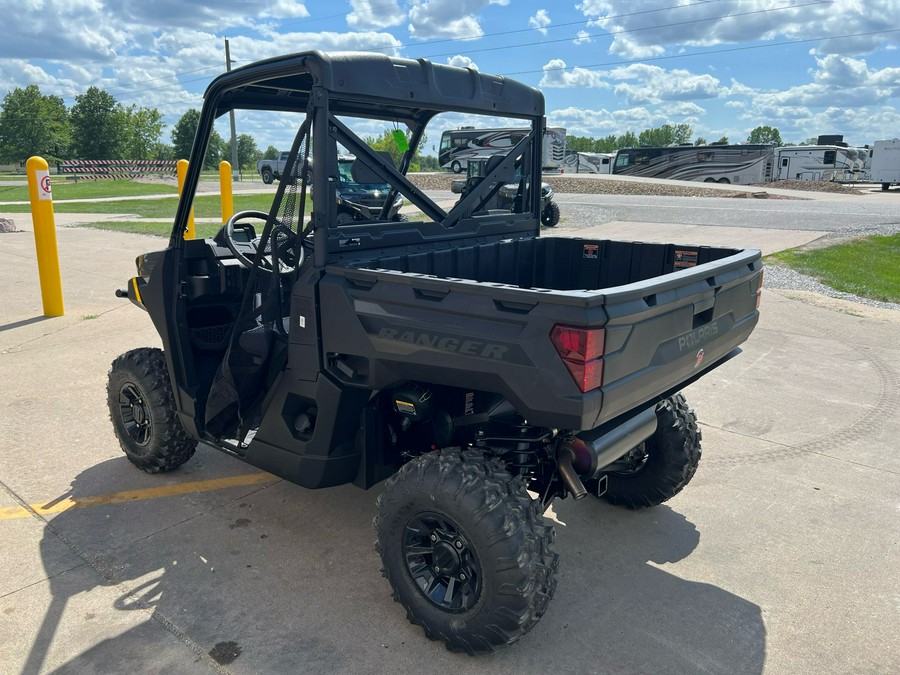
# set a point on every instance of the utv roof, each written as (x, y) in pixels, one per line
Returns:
(371, 85)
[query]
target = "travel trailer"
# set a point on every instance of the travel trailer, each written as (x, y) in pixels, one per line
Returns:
(885, 163)
(588, 162)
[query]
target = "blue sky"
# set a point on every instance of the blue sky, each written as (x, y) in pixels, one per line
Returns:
(807, 67)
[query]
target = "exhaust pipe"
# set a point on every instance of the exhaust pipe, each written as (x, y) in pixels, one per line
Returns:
(565, 453)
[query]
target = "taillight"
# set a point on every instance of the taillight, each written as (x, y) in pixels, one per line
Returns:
(759, 289)
(581, 350)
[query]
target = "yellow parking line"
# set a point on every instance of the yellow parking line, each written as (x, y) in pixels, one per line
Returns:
(67, 503)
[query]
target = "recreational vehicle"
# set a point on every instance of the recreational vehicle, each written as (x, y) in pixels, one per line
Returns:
(885, 166)
(588, 162)
(819, 162)
(458, 145)
(739, 164)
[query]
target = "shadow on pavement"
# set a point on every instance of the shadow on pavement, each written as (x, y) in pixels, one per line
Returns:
(636, 615)
(288, 581)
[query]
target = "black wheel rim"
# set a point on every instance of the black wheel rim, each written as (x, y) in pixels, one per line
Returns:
(441, 562)
(135, 414)
(633, 463)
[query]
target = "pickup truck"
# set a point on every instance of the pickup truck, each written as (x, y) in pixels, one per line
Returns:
(271, 169)
(479, 369)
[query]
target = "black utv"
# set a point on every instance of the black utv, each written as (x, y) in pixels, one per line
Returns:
(478, 369)
(507, 196)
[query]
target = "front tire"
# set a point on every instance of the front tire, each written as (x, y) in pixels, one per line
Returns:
(466, 550)
(142, 410)
(550, 215)
(456, 167)
(666, 462)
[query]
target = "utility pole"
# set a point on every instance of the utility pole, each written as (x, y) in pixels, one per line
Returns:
(236, 169)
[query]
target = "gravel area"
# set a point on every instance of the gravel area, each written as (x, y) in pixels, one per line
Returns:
(788, 279)
(575, 184)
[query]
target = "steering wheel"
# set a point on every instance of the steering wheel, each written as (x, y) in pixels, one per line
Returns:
(280, 245)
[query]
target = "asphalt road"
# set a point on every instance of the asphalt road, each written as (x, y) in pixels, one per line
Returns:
(849, 216)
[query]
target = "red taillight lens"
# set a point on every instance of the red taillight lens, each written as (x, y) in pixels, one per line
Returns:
(581, 349)
(583, 344)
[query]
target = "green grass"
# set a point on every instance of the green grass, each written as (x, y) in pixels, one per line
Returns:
(204, 206)
(87, 189)
(203, 230)
(868, 267)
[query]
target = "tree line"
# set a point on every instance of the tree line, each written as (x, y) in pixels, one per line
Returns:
(97, 126)
(669, 134)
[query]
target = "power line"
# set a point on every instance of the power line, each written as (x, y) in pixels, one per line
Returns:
(704, 53)
(636, 30)
(428, 42)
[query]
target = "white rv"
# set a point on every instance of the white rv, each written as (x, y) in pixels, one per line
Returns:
(885, 163)
(818, 162)
(588, 162)
(740, 164)
(458, 145)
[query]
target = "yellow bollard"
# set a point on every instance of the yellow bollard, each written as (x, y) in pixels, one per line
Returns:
(182, 167)
(225, 189)
(45, 235)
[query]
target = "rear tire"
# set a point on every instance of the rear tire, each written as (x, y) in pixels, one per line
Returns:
(709, 180)
(142, 410)
(466, 550)
(725, 181)
(671, 458)
(550, 215)
(343, 219)
(267, 176)
(885, 186)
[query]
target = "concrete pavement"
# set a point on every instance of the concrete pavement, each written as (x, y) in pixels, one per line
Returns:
(781, 556)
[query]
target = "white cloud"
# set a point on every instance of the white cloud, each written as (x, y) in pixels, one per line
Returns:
(556, 74)
(643, 28)
(583, 38)
(540, 21)
(653, 84)
(462, 62)
(455, 19)
(369, 14)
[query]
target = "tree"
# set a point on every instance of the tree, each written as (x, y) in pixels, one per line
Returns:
(386, 143)
(271, 153)
(700, 141)
(667, 134)
(183, 133)
(142, 128)
(765, 134)
(723, 140)
(33, 124)
(98, 125)
(248, 153)
(183, 139)
(627, 140)
(580, 143)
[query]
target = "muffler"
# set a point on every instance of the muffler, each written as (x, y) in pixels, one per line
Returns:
(586, 455)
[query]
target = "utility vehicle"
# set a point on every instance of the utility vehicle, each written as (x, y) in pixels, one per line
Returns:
(479, 369)
(505, 197)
